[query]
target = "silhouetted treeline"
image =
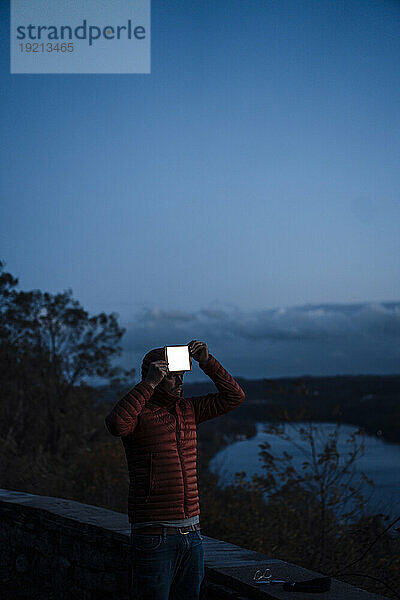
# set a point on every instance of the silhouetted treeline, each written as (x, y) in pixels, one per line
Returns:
(368, 401)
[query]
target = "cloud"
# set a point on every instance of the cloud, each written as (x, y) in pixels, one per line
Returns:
(314, 339)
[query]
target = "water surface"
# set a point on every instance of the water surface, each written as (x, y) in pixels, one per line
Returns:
(380, 462)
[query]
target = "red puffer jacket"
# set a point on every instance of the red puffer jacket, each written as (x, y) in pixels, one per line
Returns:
(161, 448)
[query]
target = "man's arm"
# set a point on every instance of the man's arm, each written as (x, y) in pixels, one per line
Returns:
(122, 420)
(230, 395)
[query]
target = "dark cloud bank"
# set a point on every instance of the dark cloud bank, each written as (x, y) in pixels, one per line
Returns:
(325, 339)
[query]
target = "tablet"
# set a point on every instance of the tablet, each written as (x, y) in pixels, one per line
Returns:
(178, 358)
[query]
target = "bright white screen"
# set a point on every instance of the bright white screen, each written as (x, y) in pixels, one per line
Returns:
(178, 358)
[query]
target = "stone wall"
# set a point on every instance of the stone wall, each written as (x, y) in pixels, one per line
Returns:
(52, 548)
(63, 549)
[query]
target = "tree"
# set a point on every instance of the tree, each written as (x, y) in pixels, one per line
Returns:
(49, 343)
(317, 513)
(323, 490)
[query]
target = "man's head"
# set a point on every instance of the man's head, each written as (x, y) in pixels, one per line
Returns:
(172, 383)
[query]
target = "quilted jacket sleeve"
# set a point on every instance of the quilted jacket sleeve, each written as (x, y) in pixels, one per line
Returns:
(230, 395)
(122, 419)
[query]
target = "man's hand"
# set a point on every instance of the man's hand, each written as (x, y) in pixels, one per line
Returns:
(199, 351)
(156, 373)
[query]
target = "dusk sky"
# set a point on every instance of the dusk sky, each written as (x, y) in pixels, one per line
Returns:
(245, 193)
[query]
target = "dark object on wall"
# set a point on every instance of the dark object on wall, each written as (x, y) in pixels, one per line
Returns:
(314, 586)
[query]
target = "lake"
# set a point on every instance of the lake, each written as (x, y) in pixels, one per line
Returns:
(380, 462)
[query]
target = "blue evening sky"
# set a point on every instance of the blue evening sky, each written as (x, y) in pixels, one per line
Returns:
(247, 190)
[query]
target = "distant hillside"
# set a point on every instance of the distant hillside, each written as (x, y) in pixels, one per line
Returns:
(369, 401)
(344, 385)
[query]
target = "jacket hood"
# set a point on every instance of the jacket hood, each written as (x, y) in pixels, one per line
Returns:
(159, 397)
(153, 355)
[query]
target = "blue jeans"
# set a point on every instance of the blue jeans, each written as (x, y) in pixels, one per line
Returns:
(167, 567)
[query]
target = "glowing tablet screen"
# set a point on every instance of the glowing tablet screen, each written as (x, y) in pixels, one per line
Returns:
(178, 358)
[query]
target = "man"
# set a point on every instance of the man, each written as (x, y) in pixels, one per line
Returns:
(158, 429)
